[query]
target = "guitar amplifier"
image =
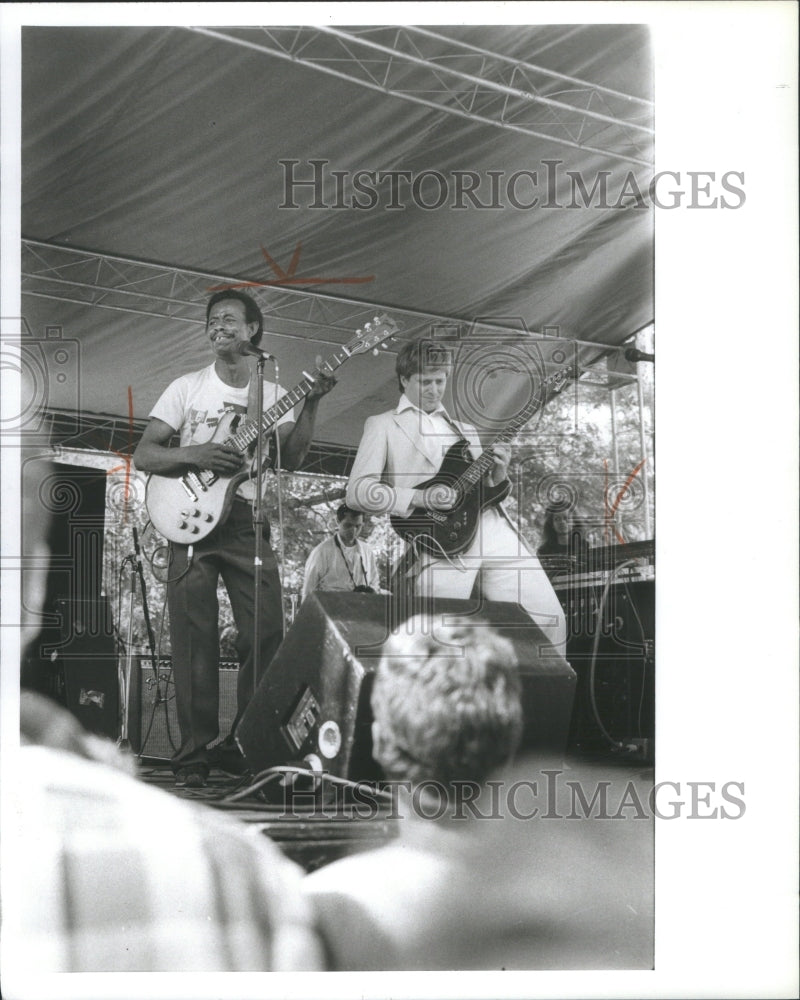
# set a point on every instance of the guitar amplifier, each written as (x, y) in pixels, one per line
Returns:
(614, 659)
(153, 719)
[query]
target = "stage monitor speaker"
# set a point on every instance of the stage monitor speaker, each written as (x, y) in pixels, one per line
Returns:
(153, 717)
(314, 696)
(82, 649)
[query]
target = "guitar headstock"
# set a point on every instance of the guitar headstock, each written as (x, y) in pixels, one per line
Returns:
(559, 378)
(372, 334)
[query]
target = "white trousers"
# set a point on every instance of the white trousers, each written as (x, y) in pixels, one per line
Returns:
(508, 570)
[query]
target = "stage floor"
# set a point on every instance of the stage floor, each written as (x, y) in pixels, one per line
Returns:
(309, 831)
(314, 832)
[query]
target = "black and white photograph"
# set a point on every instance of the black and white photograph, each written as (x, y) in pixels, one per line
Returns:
(391, 399)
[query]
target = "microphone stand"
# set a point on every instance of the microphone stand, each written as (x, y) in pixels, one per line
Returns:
(124, 672)
(258, 522)
(151, 639)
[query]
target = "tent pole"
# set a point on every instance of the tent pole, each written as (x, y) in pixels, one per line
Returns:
(614, 446)
(613, 394)
(643, 442)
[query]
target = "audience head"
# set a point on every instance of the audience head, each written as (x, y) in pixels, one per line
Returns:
(446, 702)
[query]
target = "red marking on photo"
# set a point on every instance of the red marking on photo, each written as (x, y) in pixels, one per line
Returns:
(611, 511)
(288, 277)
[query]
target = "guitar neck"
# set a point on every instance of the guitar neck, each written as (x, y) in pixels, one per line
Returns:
(375, 332)
(247, 434)
(478, 469)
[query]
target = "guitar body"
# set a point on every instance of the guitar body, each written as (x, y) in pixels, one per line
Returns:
(449, 532)
(187, 507)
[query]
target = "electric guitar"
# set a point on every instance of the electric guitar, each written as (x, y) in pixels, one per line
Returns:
(449, 532)
(186, 507)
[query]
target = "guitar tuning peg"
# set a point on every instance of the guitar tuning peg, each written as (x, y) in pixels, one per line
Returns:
(358, 332)
(368, 326)
(376, 319)
(375, 352)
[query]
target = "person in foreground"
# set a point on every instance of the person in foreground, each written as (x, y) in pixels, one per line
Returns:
(101, 873)
(343, 561)
(194, 405)
(477, 878)
(405, 447)
(105, 874)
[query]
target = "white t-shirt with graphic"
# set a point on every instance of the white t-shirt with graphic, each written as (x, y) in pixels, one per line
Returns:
(195, 403)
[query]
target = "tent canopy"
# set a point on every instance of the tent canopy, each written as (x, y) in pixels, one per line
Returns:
(157, 164)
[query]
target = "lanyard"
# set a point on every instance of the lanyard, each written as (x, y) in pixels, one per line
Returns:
(347, 564)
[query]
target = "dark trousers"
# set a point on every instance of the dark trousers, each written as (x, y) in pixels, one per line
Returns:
(194, 625)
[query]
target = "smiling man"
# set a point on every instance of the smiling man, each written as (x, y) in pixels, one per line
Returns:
(404, 448)
(193, 407)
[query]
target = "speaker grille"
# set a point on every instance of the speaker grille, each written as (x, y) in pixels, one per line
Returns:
(153, 714)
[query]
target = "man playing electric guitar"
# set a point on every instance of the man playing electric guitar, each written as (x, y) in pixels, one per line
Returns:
(401, 450)
(194, 405)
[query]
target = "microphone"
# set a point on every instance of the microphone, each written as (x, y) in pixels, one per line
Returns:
(633, 355)
(136, 548)
(244, 347)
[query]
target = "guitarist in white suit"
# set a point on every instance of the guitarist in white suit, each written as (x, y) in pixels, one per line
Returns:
(405, 447)
(193, 406)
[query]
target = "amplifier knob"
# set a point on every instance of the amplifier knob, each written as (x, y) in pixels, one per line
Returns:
(181, 524)
(209, 517)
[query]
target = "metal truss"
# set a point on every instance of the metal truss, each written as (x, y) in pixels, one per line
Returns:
(123, 284)
(104, 281)
(105, 443)
(427, 68)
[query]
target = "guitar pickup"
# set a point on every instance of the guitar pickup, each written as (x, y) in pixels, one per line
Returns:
(196, 482)
(189, 491)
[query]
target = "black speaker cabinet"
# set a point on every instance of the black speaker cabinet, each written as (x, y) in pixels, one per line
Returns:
(614, 660)
(82, 650)
(153, 717)
(314, 696)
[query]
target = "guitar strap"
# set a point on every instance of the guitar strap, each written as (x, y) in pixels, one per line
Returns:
(453, 425)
